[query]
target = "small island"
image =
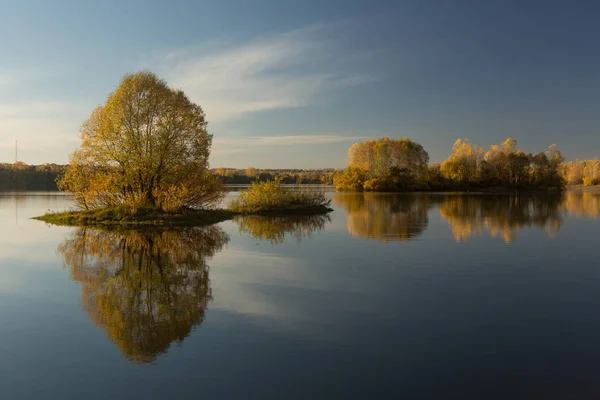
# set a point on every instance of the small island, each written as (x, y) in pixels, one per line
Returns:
(143, 160)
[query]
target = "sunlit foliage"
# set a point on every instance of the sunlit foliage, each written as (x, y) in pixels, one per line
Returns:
(586, 172)
(146, 289)
(146, 146)
(398, 164)
(385, 217)
(275, 229)
(273, 197)
(463, 164)
(385, 164)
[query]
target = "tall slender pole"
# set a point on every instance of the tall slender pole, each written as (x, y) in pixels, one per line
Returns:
(16, 152)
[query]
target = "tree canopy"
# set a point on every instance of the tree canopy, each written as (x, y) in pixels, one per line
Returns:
(384, 164)
(147, 145)
(388, 164)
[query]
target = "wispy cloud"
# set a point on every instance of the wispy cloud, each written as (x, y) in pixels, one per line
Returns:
(248, 144)
(292, 69)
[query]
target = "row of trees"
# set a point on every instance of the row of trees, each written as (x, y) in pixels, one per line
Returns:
(389, 164)
(287, 176)
(20, 176)
(586, 172)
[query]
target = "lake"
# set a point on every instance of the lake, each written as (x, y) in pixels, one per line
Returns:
(410, 296)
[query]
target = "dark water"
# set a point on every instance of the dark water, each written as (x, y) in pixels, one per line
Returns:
(390, 296)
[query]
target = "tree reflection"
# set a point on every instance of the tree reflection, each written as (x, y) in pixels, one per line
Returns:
(146, 289)
(275, 229)
(385, 217)
(502, 216)
(582, 204)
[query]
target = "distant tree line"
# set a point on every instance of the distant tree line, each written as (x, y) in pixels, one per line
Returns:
(20, 176)
(401, 164)
(387, 164)
(287, 176)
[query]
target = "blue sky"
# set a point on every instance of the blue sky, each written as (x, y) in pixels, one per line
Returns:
(292, 84)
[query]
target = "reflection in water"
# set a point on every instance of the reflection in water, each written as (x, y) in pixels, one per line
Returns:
(502, 216)
(146, 289)
(388, 217)
(274, 229)
(582, 204)
(385, 217)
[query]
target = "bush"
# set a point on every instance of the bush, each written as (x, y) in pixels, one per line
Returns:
(272, 197)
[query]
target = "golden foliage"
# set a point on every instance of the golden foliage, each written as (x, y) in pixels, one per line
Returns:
(462, 164)
(147, 139)
(383, 164)
(271, 196)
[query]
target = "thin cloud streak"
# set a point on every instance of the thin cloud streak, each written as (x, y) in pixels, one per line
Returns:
(277, 72)
(222, 146)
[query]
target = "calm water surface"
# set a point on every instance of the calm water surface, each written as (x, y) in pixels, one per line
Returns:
(390, 296)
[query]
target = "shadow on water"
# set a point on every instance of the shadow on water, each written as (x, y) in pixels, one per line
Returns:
(145, 289)
(276, 229)
(404, 217)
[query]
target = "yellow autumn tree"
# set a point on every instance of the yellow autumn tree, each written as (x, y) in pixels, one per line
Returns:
(462, 164)
(146, 146)
(384, 164)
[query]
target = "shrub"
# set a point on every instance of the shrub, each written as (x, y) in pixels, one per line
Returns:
(272, 197)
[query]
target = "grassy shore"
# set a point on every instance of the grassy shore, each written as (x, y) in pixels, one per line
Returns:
(125, 216)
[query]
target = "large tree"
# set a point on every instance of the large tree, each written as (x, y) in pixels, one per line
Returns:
(147, 145)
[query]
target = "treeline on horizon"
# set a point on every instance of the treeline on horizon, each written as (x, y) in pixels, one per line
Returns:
(21, 176)
(287, 176)
(403, 165)
(386, 165)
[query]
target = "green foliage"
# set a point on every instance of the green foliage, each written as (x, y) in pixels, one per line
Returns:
(139, 216)
(272, 198)
(20, 176)
(288, 176)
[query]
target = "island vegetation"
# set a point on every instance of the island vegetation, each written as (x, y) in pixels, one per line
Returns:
(272, 198)
(402, 165)
(144, 159)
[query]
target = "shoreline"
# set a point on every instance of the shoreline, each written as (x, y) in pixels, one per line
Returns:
(150, 217)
